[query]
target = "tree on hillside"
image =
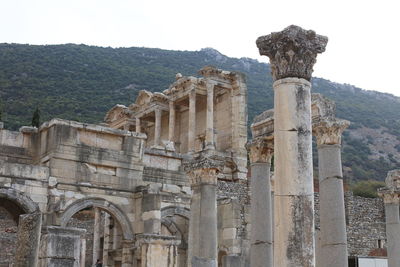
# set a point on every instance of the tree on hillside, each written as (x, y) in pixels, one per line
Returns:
(36, 118)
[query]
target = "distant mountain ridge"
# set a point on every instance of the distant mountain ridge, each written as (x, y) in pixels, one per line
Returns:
(80, 82)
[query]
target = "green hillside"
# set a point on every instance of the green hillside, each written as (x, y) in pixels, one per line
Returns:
(80, 82)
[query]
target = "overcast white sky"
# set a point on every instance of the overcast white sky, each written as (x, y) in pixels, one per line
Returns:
(364, 35)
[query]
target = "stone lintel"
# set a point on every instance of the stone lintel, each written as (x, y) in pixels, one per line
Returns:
(157, 239)
(324, 107)
(261, 150)
(292, 52)
(329, 131)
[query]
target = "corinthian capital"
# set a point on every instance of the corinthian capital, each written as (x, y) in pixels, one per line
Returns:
(329, 131)
(292, 52)
(261, 150)
(203, 170)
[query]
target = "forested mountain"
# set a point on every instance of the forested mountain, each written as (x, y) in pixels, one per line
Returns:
(80, 82)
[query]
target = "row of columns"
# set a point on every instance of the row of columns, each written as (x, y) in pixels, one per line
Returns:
(210, 143)
(332, 211)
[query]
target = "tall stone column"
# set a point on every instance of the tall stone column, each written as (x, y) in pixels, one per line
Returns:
(292, 54)
(333, 237)
(138, 130)
(192, 120)
(171, 128)
(96, 235)
(202, 244)
(28, 239)
(210, 144)
(157, 128)
(391, 198)
(261, 250)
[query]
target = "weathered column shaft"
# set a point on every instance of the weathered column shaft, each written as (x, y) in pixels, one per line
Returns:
(393, 230)
(96, 235)
(83, 252)
(210, 144)
(171, 128)
(261, 250)
(28, 240)
(138, 130)
(332, 250)
(157, 127)
(203, 219)
(192, 121)
(294, 192)
(292, 53)
(332, 210)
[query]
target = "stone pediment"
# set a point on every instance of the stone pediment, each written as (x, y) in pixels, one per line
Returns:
(143, 98)
(115, 113)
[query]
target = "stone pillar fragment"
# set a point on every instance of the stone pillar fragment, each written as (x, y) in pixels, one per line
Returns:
(127, 253)
(391, 198)
(333, 237)
(158, 250)
(202, 244)
(96, 235)
(261, 250)
(157, 128)
(210, 144)
(60, 246)
(28, 240)
(292, 53)
(192, 121)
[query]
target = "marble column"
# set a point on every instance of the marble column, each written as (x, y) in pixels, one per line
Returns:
(138, 130)
(171, 128)
(210, 144)
(28, 239)
(333, 237)
(96, 235)
(391, 198)
(192, 121)
(261, 250)
(292, 53)
(157, 128)
(202, 243)
(83, 252)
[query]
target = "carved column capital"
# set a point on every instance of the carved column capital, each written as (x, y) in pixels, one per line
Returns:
(292, 52)
(390, 197)
(203, 171)
(329, 131)
(393, 180)
(261, 150)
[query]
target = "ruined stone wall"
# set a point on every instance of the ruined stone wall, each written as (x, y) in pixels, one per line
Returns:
(8, 237)
(365, 220)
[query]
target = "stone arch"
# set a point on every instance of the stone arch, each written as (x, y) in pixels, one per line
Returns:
(25, 203)
(175, 231)
(101, 204)
(175, 210)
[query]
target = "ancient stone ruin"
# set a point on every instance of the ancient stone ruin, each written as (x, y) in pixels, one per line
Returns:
(165, 182)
